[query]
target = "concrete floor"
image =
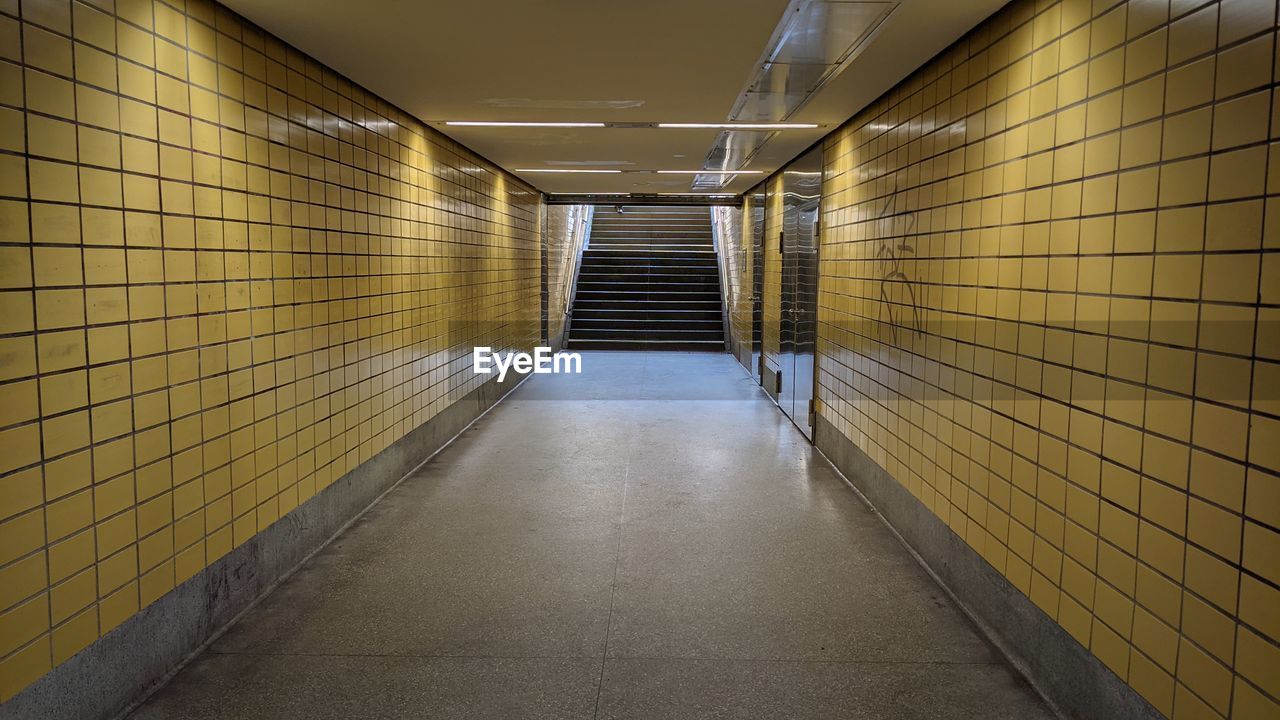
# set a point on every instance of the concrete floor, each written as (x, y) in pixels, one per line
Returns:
(650, 539)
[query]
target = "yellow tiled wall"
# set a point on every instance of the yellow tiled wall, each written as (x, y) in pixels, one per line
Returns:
(227, 277)
(1049, 308)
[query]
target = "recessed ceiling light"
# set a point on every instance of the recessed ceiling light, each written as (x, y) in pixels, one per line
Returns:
(564, 170)
(710, 172)
(505, 123)
(742, 126)
(631, 125)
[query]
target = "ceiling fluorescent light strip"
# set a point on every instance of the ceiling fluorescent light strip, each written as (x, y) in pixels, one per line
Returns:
(709, 172)
(661, 172)
(504, 123)
(710, 126)
(742, 126)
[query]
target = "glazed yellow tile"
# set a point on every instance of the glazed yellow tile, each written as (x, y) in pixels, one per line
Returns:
(21, 624)
(155, 550)
(1250, 704)
(1226, 328)
(1244, 67)
(57, 266)
(1262, 493)
(24, 667)
(94, 26)
(113, 535)
(71, 555)
(51, 138)
(75, 635)
(95, 67)
(1187, 134)
(1214, 528)
(20, 492)
(53, 181)
(101, 187)
(1207, 677)
(1151, 682)
(64, 391)
(1217, 479)
(1110, 648)
(1234, 226)
(1220, 429)
(156, 583)
(112, 458)
(1161, 550)
(1241, 121)
(98, 108)
(1223, 379)
(65, 433)
(1119, 527)
(17, 312)
(23, 579)
(59, 309)
(69, 597)
(117, 607)
(1238, 173)
(45, 50)
(99, 147)
(1155, 638)
(1261, 551)
(1260, 605)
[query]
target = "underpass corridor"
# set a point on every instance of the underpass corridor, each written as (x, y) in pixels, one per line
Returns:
(650, 539)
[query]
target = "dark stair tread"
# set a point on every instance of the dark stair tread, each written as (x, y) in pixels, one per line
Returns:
(685, 345)
(649, 279)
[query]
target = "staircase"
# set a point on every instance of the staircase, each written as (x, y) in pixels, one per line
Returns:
(648, 281)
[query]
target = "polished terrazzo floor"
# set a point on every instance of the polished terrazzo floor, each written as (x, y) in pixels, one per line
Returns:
(650, 539)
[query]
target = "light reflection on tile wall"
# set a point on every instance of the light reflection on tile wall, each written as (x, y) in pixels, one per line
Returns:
(1050, 294)
(227, 277)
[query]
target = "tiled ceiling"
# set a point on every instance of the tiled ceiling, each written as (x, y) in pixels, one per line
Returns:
(699, 61)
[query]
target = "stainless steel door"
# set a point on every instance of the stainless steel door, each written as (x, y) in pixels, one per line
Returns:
(802, 189)
(756, 228)
(806, 317)
(787, 321)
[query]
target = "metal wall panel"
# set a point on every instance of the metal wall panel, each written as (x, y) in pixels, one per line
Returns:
(801, 191)
(756, 206)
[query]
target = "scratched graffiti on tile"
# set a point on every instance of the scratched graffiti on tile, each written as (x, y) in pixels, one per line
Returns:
(893, 244)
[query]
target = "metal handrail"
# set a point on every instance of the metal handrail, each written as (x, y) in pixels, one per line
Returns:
(566, 286)
(722, 271)
(581, 243)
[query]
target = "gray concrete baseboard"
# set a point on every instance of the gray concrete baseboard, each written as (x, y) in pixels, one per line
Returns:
(123, 666)
(1074, 682)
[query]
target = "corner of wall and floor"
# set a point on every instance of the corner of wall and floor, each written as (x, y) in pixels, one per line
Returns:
(237, 299)
(1046, 353)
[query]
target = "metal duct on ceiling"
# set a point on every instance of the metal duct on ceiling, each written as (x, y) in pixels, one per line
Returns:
(813, 42)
